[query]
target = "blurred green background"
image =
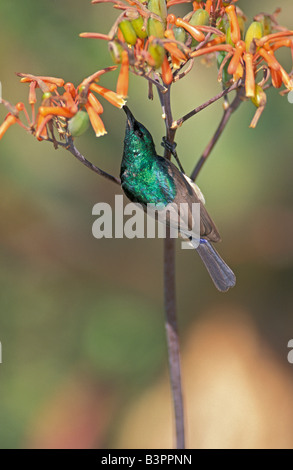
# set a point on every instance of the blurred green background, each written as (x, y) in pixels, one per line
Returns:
(81, 320)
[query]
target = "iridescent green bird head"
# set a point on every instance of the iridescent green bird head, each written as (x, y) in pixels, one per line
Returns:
(138, 141)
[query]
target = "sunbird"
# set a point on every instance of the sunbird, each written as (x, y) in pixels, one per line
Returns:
(147, 178)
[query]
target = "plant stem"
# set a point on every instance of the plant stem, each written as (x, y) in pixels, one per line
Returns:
(192, 113)
(173, 338)
(170, 299)
(69, 145)
(224, 121)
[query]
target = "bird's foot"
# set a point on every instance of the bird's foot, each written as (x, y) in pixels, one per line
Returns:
(171, 147)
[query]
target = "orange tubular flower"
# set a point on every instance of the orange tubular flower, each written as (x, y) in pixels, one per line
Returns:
(55, 111)
(26, 77)
(177, 55)
(96, 121)
(239, 50)
(209, 4)
(9, 121)
(94, 102)
(277, 79)
(123, 79)
(109, 95)
(166, 72)
(209, 50)
(192, 30)
(235, 28)
(249, 75)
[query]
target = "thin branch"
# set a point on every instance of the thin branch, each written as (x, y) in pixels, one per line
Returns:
(192, 113)
(161, 87)
(170, 298)
(225, 118)
(173, 338)
(69, 145)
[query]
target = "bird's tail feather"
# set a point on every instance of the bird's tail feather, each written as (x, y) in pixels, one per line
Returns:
(222, 276)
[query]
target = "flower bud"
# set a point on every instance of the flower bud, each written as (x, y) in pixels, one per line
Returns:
(255, 31)
(259, 98)
(115, 50)
(79, 123)
(128, 32)
(179, 34)
(137, 25)
(199, 18)
(158, 7)
(228, 37)
(155, 28)
(46, 95)
(158, 54)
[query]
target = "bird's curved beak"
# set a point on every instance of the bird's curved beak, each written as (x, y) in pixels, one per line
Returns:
(130, 117)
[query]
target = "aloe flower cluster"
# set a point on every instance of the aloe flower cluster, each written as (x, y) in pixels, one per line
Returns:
(148, 40)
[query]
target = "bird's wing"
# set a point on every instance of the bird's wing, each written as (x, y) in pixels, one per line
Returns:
(186, 193)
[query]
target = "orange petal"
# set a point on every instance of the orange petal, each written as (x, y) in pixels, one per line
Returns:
(26, 77)
(269, 57)
(166, 72)
(32, 98)
(209, 50)
(282, 43)
(239, 73)
(95, 36)
(94, 102)
(96, 121)
(240, 48)
(9, 121)
(174, 51)
(70, 104)
(70, 88)
(109, 95)
(123, 79)
(273, 37)
(209, 4)
(235, 28)
(55, 111)
(288, 82)
(95, 76)
(276, 78)
(249, 75)
(192, 30)
(41, 129)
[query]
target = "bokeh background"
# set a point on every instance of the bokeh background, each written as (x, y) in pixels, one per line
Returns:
(81, 320)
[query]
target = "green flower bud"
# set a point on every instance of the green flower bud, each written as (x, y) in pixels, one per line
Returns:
(255, 31)
(46, 95)
(179, 33)
(228, 37)
(199, 18)
(259, 98)
(128, 32)
(137, 25)
(159, 7)
(158, 53)
(115, 50)
(79, 123)
(155, 28)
